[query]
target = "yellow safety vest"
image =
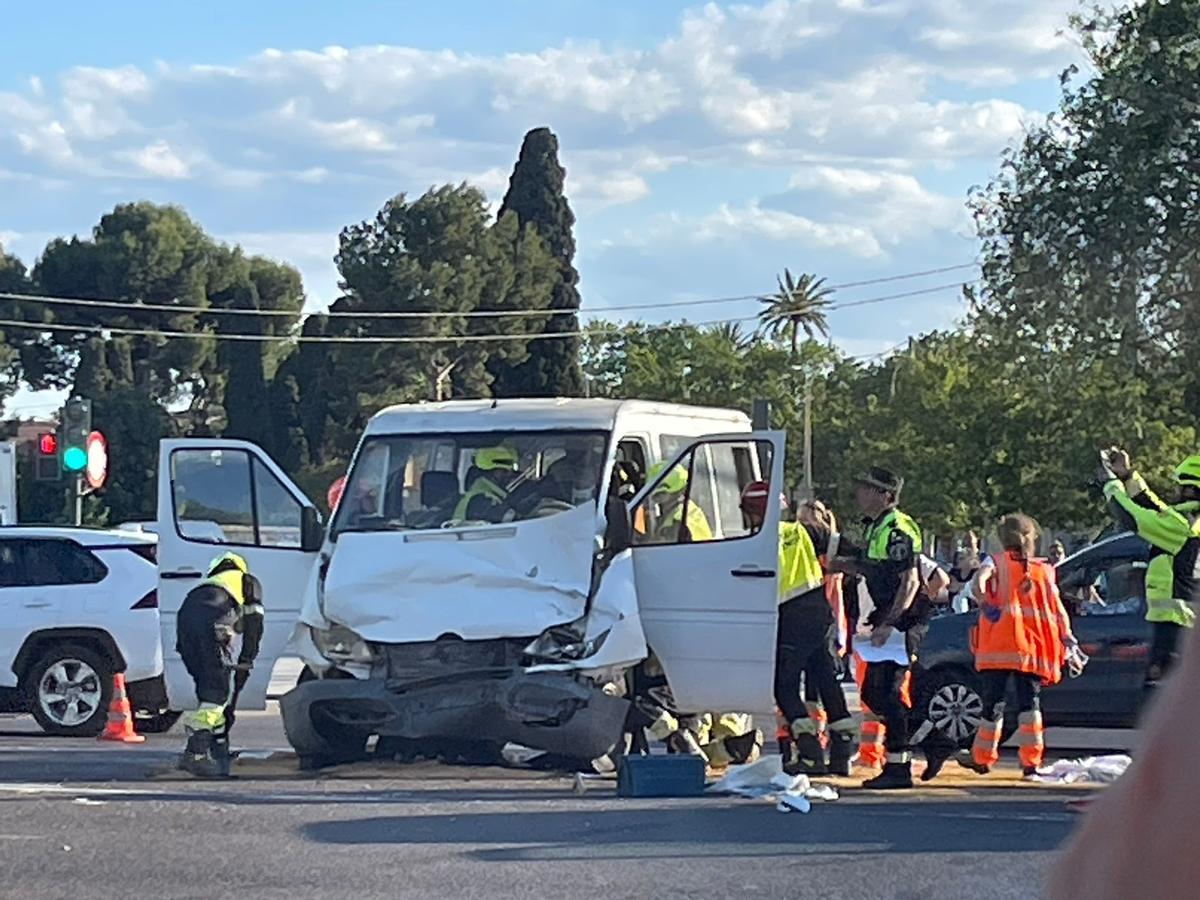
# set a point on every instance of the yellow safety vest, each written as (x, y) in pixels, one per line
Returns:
(799, 568)
(480, 487)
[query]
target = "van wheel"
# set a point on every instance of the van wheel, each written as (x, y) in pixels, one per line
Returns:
(69, 689)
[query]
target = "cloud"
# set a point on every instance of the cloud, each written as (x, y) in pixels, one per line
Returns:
(158, 160)
(752, 220)
(835, 79)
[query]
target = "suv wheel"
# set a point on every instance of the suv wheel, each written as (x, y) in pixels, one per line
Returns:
(69, 689)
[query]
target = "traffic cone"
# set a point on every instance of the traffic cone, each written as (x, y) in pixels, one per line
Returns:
(120, 716)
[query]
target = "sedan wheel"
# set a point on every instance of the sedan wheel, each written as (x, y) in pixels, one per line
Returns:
(956, 710)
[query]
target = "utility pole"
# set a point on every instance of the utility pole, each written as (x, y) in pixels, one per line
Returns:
(808, 454)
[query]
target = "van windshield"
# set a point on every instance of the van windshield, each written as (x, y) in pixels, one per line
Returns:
(402, 482)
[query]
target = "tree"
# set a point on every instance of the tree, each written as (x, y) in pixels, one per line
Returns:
(799, 305)
(440, 258)
(535, 195)
(12, 281)
(139, 254)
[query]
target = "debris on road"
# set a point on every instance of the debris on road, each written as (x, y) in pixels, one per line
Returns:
(766, 779)
(1088, 770)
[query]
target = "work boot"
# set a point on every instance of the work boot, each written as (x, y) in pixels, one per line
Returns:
(807, 757)
(934, 760)
(841, 751)
(894, 777)
(744, 748)
(221, 754)
(198, 756)
(967, 761)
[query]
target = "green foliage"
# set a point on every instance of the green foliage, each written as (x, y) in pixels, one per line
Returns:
(436, 254)
(799, 305)
(535, 195)
(133, 424)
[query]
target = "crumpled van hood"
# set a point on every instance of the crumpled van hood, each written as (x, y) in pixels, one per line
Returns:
(510, 580)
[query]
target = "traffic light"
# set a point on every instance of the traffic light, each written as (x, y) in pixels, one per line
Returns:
(74, 429)
(45, 463)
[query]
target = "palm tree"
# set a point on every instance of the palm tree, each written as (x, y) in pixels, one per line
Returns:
(733, 334)
(801, 303)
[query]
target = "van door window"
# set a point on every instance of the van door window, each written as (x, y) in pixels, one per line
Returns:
(278, 512)
(732, 471)
(226, 497)
(694, 500)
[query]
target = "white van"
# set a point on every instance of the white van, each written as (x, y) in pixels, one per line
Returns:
(523, 625)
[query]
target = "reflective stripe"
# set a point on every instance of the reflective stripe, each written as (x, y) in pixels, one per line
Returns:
(804, 726)
(209, 717)
(843, 726)
(1008, 659)
(901, 758)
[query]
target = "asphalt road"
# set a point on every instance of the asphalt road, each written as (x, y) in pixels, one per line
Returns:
(87, 819)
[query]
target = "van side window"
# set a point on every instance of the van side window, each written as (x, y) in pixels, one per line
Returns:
(698, 499)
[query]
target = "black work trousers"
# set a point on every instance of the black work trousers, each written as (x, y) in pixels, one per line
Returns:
(1164, 649)
(994, 687)
(881, 692)
(803, 644)
(204, 635)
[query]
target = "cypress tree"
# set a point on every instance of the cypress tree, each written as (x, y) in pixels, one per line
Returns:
(535, 194)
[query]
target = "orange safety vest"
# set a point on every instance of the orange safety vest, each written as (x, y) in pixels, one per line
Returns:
(1028, 635)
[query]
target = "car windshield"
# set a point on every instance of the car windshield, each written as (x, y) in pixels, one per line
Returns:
(402, 482)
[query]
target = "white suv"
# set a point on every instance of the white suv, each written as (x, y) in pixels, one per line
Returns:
(76, 606)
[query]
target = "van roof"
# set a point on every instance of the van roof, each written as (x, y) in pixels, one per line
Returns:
(532, 414)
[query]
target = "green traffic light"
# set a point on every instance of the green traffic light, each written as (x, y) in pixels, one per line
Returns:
(74, 459)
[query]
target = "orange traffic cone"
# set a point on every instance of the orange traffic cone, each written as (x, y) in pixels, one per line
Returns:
(120, 716)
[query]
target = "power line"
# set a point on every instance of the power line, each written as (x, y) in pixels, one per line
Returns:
(134, 306)
(351, 339)
(833, 307)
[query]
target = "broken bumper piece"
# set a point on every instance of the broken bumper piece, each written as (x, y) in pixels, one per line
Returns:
(548, 711)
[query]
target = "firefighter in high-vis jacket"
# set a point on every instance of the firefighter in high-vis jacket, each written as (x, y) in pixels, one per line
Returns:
(804, 643)
(1173, 532)
(674, 524)
(228, 602)
(484, 498)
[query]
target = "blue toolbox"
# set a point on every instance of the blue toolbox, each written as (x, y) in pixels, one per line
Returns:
(675, 775)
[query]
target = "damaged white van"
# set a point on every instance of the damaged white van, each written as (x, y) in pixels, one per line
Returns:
(495, 571)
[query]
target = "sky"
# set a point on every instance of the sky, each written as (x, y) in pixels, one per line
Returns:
(707, 147)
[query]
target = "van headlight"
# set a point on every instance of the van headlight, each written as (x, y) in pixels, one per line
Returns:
(341, 645)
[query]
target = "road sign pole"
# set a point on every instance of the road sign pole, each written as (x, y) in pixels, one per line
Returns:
(78, 488)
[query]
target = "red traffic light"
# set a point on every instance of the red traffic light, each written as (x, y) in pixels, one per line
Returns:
(47, 444)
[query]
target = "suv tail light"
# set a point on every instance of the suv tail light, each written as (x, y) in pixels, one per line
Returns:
(150, 601)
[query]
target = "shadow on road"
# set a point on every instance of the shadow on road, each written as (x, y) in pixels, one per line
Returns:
(750, 829)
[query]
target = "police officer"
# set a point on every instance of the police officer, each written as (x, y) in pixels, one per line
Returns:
(226, 603)
(804, 642)
(1173, 532)
(888, 563)
(486, 496)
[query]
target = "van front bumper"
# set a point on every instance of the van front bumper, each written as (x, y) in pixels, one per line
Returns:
(550, 711)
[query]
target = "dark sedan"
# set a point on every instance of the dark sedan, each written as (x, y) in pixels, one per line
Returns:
(1103, 586)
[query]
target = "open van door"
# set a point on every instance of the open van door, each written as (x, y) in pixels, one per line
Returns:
(217, 496)
(708, 595)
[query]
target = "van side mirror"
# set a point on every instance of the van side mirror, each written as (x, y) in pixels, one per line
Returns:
(312, 532)
(618, 533)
